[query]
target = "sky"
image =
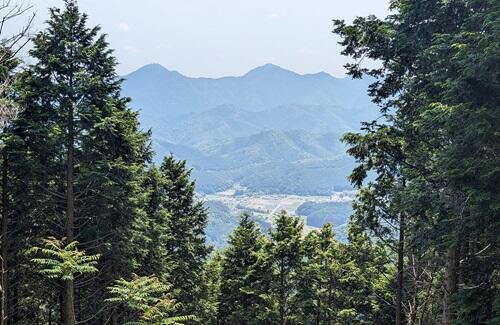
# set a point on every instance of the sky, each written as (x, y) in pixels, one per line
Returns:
(214, 38)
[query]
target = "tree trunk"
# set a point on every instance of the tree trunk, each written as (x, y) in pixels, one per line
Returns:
(69, 303)
(451, 281)
(5, 240)
(69, 288)
(400, 280)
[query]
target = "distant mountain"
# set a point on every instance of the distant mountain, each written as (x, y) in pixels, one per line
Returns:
(156, 90)
(270, 130)
(276, 146)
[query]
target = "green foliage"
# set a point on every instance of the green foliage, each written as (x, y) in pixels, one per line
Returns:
(243, 283)
(71, 101)
(149, 297)
(174, 233)
(337, 286)
(285, 254)
(58, 260)
(211, 301)
(427, 170)
(432, 150)
(290, 278)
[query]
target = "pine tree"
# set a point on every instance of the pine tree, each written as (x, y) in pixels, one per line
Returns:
(318, 288)
(241, 299)
(8, 111)
(285, 254)
(379, 207)
(151, 230)
(211, 301)
(368, 279)
(184, 239)
(80, 154)
(437, 88)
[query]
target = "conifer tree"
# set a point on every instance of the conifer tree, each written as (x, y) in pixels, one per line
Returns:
(151, 230)
(319, 291)
(184, 242)
(81, 152)
(10, 45)
(211, 301)
(285, 254)
(437, 88)
(8, 111)
(241, 299)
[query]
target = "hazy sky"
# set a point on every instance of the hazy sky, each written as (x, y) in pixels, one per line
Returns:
(215, 38)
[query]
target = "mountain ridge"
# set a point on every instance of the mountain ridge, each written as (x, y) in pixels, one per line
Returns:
(267, 125)
(158, 67)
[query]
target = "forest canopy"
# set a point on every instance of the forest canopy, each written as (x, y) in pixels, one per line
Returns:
(93, 232)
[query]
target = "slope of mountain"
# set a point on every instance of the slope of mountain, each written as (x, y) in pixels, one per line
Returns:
(270, 130)
(161, 92)
(267, 146)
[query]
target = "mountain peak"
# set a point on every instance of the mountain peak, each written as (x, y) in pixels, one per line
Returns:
(155, 69)
(270, 68)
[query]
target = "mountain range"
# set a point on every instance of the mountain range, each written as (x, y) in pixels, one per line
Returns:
(270, 130)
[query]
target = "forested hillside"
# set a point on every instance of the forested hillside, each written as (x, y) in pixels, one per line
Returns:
(267, 123)
(94, 232)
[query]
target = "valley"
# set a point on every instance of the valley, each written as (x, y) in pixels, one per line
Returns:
(226, 208)
(266, 141)
(270, 130)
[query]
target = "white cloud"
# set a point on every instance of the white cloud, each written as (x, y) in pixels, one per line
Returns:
(124, 27)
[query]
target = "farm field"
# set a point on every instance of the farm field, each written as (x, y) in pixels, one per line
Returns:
(226, 207)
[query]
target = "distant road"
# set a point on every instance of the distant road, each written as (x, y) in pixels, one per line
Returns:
(275, 210)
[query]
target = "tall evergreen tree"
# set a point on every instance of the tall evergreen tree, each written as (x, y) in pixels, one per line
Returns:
(151, 229)
(8, 111)
(184, 220)
(318, 285)
(10, 45)
(368, 279)
(82, 152)
(241, 299)
(343, 283)
(211, 301)
(285, 254)
(438, 89)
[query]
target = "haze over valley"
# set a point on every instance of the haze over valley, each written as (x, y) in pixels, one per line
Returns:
(270, 132)
(209, 162)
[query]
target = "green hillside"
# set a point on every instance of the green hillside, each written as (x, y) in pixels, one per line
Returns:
(270, 130)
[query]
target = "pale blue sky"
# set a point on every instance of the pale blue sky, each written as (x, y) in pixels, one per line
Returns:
(215, 38)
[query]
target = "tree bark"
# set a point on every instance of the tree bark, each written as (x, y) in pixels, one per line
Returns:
(69, 306)
(400, 280)
(69, 288)
(5, 240)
